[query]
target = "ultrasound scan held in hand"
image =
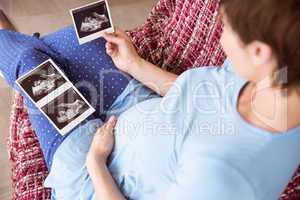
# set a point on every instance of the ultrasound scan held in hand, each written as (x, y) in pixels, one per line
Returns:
(92, 20)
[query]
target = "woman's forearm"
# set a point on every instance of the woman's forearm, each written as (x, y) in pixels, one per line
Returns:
(104, 184)
(152, 76)
(122, 51)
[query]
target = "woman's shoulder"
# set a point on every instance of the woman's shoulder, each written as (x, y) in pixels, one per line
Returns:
(213, 74)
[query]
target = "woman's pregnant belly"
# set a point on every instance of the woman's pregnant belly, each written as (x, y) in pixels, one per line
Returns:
(144, 158)
(142, 163)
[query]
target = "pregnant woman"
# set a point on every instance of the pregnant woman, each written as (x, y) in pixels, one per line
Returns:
(213, 133)
(216, 133)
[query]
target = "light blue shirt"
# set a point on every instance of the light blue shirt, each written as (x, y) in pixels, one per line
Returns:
(191, 144)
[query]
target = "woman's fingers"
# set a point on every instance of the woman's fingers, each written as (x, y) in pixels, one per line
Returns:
(118, 37)
(110, 125)
(110, 48)
(109, 45)
(113, 38)
(113, 41)
(103, 141)
(110, 52)
(121, 49)
(121, 33)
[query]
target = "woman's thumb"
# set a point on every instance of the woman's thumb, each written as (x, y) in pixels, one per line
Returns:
(112, 38)
(111, 122)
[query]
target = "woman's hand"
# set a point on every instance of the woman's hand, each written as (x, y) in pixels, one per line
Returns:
(126, 58)
(102, 144)
(120, 48)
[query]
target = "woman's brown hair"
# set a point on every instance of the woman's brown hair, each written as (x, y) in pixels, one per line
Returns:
(274, 22)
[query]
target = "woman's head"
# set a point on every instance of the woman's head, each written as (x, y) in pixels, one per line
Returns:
(262, 36)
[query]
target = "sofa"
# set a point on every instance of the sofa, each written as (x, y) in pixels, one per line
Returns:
(177, 35)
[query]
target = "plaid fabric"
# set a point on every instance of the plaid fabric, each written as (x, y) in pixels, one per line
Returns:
(178, 35)
(28, 166)
(292, 192)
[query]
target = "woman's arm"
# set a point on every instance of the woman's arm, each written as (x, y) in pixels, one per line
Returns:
(104, 184)
(153, 77)
(125, 57)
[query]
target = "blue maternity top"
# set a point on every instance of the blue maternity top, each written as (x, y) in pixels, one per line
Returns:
(191, 144)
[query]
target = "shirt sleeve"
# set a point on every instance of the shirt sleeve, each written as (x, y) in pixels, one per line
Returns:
(208, 179)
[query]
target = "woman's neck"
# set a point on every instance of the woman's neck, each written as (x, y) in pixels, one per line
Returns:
(271, 108)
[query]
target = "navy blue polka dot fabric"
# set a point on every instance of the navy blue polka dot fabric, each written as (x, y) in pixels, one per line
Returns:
(88, 67)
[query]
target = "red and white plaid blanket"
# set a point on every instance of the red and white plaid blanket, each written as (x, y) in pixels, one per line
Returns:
(178, 34)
